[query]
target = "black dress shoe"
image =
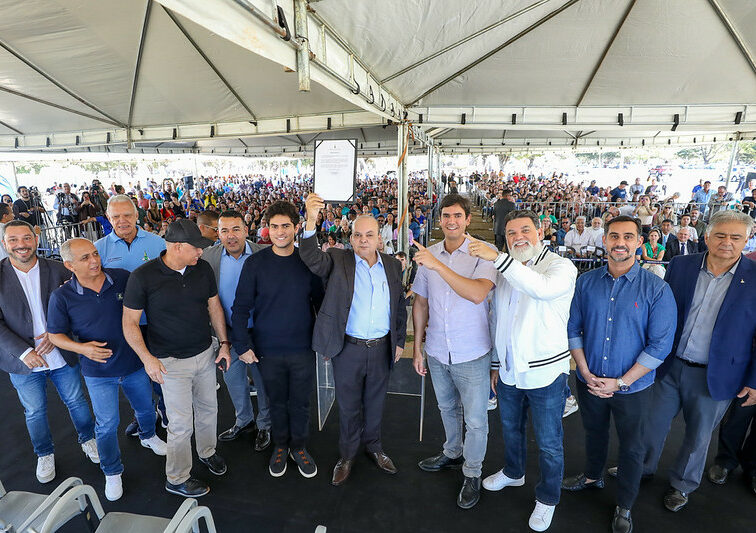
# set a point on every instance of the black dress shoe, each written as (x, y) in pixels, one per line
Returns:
(645, 478)
(341, 471)
(191, 488)
(234, 432)
(215, 464)
(262, 440)
(470, 493)
(132, 430)
(674, 500)
(622, 522)
(753, 484)
(440, 462)
(579, 482)
(718, 474)
(382, 461)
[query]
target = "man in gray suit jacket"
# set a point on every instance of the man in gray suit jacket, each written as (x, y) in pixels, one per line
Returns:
(231, 252)
(26, 353)
(361, 326)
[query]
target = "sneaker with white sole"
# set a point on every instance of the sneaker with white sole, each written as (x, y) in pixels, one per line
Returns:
(156, 444)
(492, 403)
(113, 487)
(46, 468)
(540, 519)
(570, 406)
(499, 480)
(90, 449)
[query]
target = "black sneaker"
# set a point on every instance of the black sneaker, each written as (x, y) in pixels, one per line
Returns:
(132, 430)
(277, 466)
(306, 465)
(191, 488)
(215, 464)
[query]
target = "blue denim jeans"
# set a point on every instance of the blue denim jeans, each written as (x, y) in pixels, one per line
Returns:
(238, 388)
(462, 396)
(546, 408)
(104, 395)
(32, 391)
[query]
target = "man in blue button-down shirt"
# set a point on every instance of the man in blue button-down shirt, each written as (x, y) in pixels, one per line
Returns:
(621, 328)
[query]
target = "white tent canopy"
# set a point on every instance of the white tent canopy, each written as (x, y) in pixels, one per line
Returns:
(483, 76)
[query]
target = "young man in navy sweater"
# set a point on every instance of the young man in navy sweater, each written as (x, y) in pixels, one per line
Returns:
(282, 295)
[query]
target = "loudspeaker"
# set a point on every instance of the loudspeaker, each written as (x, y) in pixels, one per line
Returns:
(188, 183)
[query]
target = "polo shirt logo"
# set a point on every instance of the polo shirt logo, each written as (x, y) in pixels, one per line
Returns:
(119, 296)
(145, 258)
(114, 259)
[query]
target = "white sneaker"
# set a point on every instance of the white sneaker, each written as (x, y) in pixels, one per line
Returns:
(90, 449)
(113, 487)
(570, 406)
(156, 444)
(492, 403)
(540, 519)
(499, 480)
(46, 468)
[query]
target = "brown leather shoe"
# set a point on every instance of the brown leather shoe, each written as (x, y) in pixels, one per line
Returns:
(341, 471)
(383, 462)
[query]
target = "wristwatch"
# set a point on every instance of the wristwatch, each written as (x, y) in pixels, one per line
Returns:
(622, 386)
(225, 342)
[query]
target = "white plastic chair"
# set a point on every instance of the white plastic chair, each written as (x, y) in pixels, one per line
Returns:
(20, 510)
(186, 520)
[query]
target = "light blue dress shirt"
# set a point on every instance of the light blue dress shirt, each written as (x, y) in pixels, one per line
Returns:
(230, 270)
(115, 253)
(370, 314)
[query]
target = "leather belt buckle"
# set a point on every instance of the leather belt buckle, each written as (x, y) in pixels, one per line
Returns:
(372, 342)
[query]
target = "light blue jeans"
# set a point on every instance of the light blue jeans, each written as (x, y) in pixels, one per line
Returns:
(462, 396)
(238, 388)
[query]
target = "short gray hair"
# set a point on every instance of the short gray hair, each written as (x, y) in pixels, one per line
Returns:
(730, 215)
(121, 198)
(581, 217)
(65, 248)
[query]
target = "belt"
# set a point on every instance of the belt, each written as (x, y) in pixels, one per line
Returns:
(366, 342)
(692, 364)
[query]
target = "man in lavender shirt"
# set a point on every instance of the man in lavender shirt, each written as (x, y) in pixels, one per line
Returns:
(451, 289)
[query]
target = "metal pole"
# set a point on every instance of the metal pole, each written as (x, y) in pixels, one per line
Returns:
(732, 161)
(429, 192)
(303, 52)
(401, 187)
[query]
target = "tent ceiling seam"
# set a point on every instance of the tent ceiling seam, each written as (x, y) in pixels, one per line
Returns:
(55, 82)
(496, 50)
(140, 51)
(606, 52)
(57, 106)
(734, 34)
(209, 62)
(478, 33)
(10, 127)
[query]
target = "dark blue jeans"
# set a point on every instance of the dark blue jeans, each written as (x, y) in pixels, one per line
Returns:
(546, 409)
(104, 395)
(32, 391)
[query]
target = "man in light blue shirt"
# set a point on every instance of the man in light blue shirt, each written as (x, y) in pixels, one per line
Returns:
(451, 290)
(702, 197)
(128, 246)
(227, 259)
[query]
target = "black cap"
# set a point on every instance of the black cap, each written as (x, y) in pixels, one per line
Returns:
(183, 230)
(623, 182)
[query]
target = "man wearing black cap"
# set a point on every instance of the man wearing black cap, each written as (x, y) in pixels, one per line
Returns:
(179, 294)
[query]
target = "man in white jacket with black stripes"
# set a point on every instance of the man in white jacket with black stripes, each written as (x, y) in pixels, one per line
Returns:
(530, 360)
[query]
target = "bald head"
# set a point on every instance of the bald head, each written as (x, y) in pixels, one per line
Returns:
(365, 238)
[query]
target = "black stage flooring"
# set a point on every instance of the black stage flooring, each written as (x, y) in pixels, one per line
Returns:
(248, 499)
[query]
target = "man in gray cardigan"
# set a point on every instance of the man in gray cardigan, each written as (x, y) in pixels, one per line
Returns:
(227, 258)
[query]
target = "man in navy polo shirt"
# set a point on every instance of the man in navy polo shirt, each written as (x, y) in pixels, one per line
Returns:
(90, 307)
(128, 246)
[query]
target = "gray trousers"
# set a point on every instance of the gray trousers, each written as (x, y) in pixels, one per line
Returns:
(683, 388)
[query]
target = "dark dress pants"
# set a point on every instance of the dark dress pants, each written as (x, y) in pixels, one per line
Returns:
(628, 411)
(361, 376)
(289, 380)
(734, 447)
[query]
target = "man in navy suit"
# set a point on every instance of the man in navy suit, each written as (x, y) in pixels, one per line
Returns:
(713, 358)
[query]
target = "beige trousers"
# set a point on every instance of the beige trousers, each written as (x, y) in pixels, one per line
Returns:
(192, 406)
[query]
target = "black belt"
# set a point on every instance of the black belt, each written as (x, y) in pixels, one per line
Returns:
(692, 364)
(366, 342)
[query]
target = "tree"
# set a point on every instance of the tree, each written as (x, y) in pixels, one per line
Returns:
(704, 152)
(746, 154)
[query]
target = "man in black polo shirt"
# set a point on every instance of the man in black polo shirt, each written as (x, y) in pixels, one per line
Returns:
(275, 283)
(178, 293)
(89, 307)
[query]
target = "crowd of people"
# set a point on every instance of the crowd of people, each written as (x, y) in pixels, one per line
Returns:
(644, 347)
